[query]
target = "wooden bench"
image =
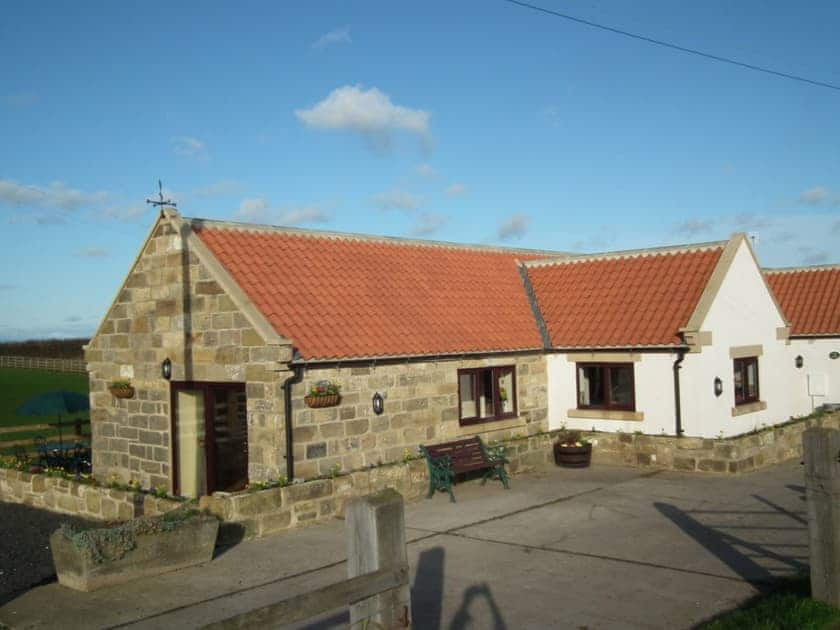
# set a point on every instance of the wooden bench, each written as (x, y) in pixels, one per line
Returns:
(451, 458)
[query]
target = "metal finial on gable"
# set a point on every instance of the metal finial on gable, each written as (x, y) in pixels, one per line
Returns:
(160, 201)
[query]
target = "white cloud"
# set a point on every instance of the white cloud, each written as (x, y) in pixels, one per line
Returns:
(514, 226)
(397, 200)
(21, 99)
(426, 170)
(335, 36)
(125, 213)
(92, 252)
(187, 146)
(428, 223)
(813, 256)
(8, 287)
(814, 196)
(219, 189)
(305, 214)
(369, 113)
(694, 227)
(750, 221)
(56, 195)
(257, 210)
(456, 190)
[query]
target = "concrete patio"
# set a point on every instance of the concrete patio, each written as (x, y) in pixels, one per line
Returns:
(604, 547)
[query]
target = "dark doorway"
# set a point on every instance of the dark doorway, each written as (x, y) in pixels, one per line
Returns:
(209, 437)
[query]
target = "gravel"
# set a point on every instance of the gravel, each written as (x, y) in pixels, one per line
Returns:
(25, 559)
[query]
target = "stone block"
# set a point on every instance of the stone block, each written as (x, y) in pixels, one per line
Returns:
(712, 465)
(685, 463)
(274, 522)
(317, 450)
(307, 491)
(253, 504)
(357, 427)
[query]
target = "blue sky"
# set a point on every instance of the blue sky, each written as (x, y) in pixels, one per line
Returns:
(473, 122)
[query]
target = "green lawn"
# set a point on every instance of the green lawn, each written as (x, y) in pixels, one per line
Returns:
(788, 608)
(18, 386)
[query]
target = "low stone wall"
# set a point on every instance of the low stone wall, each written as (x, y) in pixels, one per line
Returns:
(69, 497)
(269, 511)
(730, 455)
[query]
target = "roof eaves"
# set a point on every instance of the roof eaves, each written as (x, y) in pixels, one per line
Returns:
(405, 357)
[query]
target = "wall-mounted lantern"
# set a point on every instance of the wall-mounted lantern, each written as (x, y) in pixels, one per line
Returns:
(378, 403)
(718, 386)
(799, 361)
(166, 369)
(834, 354)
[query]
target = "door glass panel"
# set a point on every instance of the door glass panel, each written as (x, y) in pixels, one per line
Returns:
(230, 425)
(192, 457)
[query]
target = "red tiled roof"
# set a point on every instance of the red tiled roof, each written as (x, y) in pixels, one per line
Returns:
(810, 299)
(622, 300)
(340, 297)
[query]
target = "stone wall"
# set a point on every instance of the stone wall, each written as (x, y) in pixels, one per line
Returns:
(731, 455)
(170, 307)
(421, 407)
(68, 497)
(253, 514)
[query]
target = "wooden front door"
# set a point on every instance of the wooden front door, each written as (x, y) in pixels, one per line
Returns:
(209, 438)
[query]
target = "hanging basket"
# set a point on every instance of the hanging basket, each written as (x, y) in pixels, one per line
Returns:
(573, 456)
(322, 401)
(122, 392)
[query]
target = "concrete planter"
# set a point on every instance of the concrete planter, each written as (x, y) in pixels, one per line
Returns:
(186, 543)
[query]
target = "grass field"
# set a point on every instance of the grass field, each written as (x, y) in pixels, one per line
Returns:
(788, 608)
(18, 386)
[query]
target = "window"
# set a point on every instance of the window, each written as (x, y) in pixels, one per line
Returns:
(486, 394)
(745, 379)
(606, 386)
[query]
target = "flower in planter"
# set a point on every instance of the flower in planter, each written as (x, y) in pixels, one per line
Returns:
(325, 388)
(566, 439)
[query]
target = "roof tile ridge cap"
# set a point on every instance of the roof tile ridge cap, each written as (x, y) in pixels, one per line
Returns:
(769, 271)
(239, 226)
(630, 253)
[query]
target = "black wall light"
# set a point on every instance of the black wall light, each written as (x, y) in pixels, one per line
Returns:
(166, 369)
(718, 386)
(378, 403)
(834, 355)
(799, 361)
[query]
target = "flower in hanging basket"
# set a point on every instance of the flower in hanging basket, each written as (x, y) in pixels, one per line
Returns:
(323, 394)
(121, 389)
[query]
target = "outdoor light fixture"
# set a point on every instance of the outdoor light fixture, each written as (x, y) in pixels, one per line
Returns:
(378, 403)
(799, 361)
(834, 355)
(166, 369)
(718, 386)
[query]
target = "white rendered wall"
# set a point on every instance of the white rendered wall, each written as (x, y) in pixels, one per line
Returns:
(654, 396)
(742, 314)
(815, 354)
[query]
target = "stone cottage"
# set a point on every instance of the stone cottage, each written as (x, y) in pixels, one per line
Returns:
(225, 331)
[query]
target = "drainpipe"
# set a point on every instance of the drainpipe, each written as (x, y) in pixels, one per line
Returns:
(297, 375)
(677, 406)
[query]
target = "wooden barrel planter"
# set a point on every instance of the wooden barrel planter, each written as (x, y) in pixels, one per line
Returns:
(573, 456)
(322, 401)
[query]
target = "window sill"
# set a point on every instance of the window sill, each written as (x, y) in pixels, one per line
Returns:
(741, 410)
(606, 414)
(489, 426)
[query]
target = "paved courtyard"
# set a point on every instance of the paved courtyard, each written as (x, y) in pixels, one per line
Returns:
(605, 547)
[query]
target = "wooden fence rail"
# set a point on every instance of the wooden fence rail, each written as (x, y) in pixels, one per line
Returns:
(377, 590)
(43, 363)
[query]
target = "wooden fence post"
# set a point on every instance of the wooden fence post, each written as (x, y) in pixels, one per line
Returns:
(821, 449)
(376, 540)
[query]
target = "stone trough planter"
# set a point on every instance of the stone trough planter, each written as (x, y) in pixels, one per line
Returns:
(86, 560)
